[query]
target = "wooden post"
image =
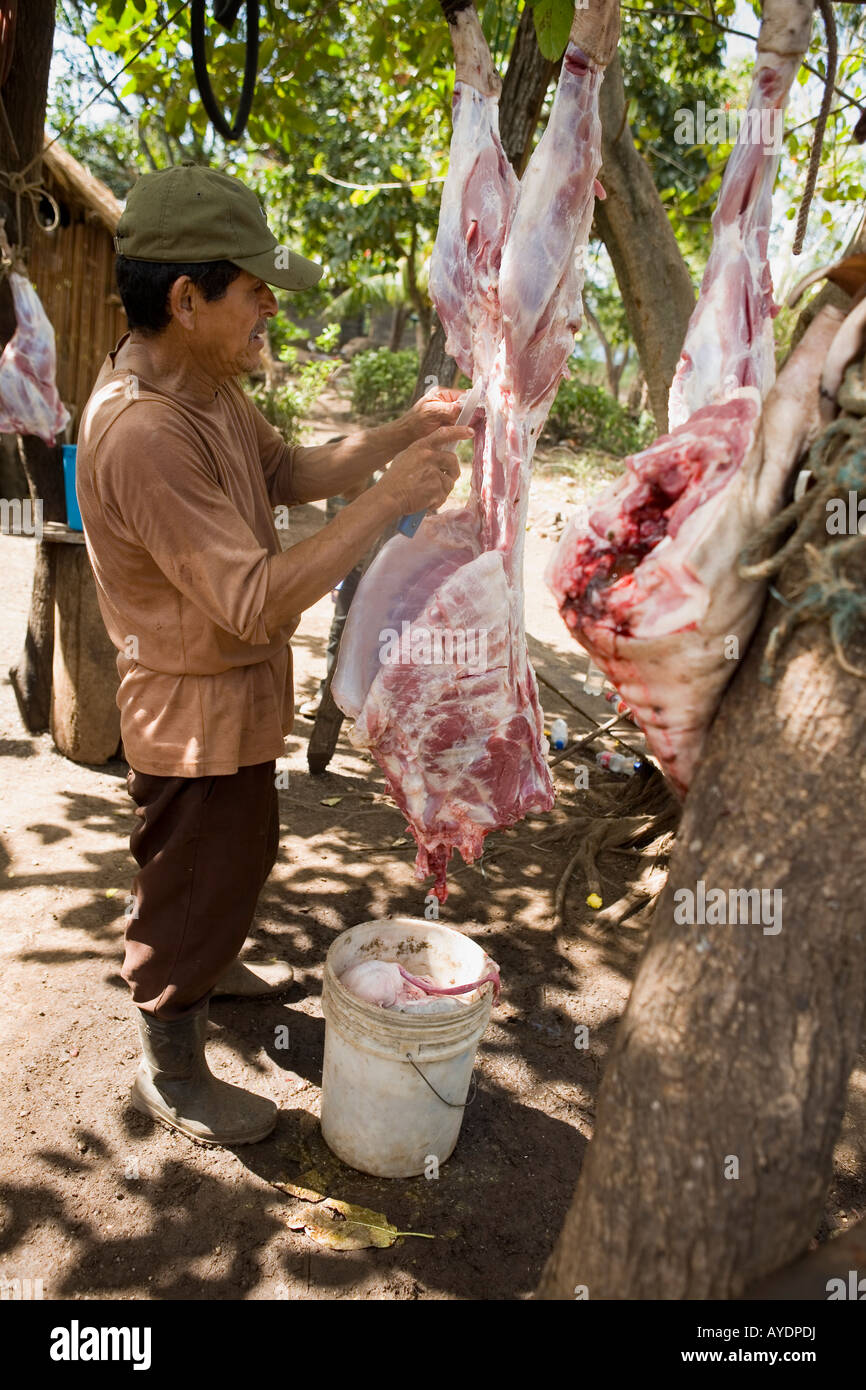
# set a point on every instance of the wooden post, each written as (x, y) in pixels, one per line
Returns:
(85, 720)
(30, 677)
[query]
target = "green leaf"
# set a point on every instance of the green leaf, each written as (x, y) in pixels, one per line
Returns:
(304, 124)
(434, 45)
(176, 117)
(377, 47)
(553, 21)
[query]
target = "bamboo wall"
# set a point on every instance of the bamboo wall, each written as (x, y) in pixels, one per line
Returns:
(73, 270)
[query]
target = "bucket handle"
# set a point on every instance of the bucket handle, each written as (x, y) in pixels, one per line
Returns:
(453, 1105)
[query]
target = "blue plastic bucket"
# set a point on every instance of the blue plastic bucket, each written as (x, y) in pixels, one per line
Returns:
(73, 514)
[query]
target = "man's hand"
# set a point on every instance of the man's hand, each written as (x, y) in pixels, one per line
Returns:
(328, 470)
(422, 476)
(431, 412)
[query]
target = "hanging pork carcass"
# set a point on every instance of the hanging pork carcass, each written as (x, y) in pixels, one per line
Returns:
(29, 402)
(457, 727)
(646, 577)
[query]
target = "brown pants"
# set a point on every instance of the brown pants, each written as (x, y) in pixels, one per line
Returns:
(205, 846)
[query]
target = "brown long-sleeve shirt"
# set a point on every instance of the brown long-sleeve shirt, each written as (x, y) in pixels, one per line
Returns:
(177, 497)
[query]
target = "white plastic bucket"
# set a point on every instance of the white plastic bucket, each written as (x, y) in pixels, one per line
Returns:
(381, 1113)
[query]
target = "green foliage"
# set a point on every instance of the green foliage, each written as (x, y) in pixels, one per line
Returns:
(383, 381)
(553, 21)
(670, 62)
(329, 337)
(281, 332)
(286, 404)
(589, 416)
(284, 335)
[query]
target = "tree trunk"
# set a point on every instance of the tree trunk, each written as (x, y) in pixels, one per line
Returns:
(652, 276)
(437, 368)
(398, 323)
(726, 1085)
(613, 368)
(523, 91)
(617, 369)
(24, 97)
(637, 396)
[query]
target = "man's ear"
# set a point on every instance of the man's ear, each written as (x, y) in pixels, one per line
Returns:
(182, 301)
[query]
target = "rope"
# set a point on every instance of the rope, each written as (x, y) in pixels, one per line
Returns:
(838, 463)
(35, 191)
(820, 125)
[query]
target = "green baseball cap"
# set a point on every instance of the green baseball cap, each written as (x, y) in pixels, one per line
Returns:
(190, 213)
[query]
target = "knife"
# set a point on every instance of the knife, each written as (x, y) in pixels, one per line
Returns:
(408, 525)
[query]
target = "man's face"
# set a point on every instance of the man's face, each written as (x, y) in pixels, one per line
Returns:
(230, 332)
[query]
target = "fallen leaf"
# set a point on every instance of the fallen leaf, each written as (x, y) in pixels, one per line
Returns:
(110, 892)
(310, 1186)
(401, 841)
(341, 1226)
(331, 801)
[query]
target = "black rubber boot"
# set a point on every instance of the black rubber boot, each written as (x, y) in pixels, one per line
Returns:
(175, 1086)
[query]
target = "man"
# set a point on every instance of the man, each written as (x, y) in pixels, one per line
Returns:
(178, 475)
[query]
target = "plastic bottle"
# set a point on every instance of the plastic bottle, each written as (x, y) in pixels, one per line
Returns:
(593, 681)
(618, 762)
(619, 705)
(558, 734)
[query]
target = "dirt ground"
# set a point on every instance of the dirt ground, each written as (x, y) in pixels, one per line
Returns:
(97, 1202)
